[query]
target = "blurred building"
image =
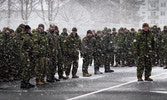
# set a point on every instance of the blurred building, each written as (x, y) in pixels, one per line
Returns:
(154, 12)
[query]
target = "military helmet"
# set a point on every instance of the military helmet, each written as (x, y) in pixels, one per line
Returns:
(132, 29)
(27, 27)
(114, 29)
(145, 25)
(74, 29)
(165, 27)
(22, 26)
(89, 32)
(41, 25)
(64, 29)
(11, 31)
(109, 30)
(52, 25)
(98, 32)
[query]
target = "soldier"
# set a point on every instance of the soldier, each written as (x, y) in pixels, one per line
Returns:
(114, 33)
(120, 47)
(87, 52)
(26, 47)
(98, 52)
(163, 48)
(108, 50)
(63, 61)
(129, 45)
(54, 46)
(6, 45)
(73, 44)
(41, 51)
(144, 44)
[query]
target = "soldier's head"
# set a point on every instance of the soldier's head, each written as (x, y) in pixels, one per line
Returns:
(21, 28)
(121, 30)
(52, 27)
(165, 28)
(152, 29)
(56, 29)
(6, 30)
(99, 33)
(125, 30)
(93, 31)
(41, 27)
(64, 30)
(109, 31)
(89, 33)
(105, 28)
(114, 29)
(139, 30)
(145, 27)
(27, 28)
(74, 30)
(159, 29)
(132, 30)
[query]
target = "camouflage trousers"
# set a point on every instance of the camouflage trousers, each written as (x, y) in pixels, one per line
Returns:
(51, 68)
(87, 59)
(26, 67)
(144, 63)
(41, 68)
(72, 61)
(109, 59)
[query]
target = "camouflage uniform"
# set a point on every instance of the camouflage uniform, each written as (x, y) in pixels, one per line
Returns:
(26, 47)
(87, 52)
(108, 50)
(98, 51)
(162, 38)
(130, 49)
(144, 48)
(41, 51)
(73, 44)
(63, 61)
(6, 44)
(120, 47)
(54, 53)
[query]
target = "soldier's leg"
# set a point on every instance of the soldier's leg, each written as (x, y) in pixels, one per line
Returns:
(140, 66)
(112, 59)
(75, 66)
(148, 67)
(97, 65)
(26, 73)
(85, 65)
(38, 69)
(51, 69)
(68, 66)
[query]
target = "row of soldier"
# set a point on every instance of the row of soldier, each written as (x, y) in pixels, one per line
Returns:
(38, 53)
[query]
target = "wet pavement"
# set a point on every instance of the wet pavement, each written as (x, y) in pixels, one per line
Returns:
(120, 85)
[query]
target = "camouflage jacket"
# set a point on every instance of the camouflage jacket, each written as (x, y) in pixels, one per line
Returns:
(73, 44)
(144, 43)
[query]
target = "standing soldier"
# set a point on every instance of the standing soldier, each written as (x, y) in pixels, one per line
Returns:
(108, 50)
(53, 40)
(120, 47)
(63, 61)
(115, 52)
(41, 50)
(98, 52)
(163, 47)
(130, 56)
(87, 50)
(26, 47)
(6, 45)
(73, 44)
(144, 48)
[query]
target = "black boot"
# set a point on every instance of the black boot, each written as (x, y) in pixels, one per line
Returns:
(26, 85)
(108, 70)
(97, 71)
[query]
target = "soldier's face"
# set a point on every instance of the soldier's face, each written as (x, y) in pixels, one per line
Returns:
(7, 32)
(41, 29)
(146, 28)
(90, 35)
(74, 32)
(165, 29)
(99, 35)
(65, 31)
(109, 32)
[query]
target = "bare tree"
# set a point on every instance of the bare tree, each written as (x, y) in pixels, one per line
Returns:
(74, 15)
(26, 7)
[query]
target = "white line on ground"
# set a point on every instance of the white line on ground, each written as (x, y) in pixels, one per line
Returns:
(84, 95)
